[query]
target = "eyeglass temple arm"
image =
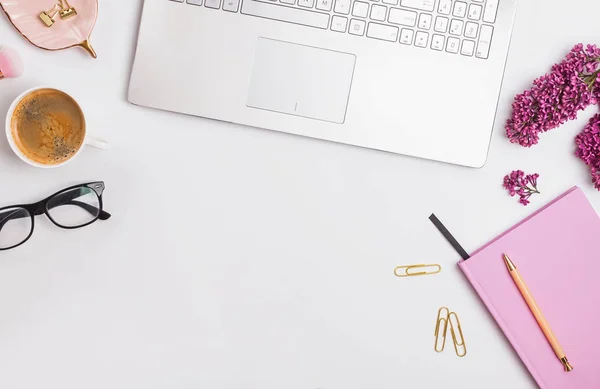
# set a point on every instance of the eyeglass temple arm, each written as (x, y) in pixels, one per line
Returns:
(89, 208)
(5, 217)
(69, 198)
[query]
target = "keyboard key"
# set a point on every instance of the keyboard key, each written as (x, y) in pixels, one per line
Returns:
(380, 31)
(477, 1)
(324, 5)
(423, 5)
(471, 30)
(460, 9)
(285, 14)
(444, 7)
(468, 47)
(491, 8)
(403, 17)
(378, 12)
(342, 6)
(425, 21)
(306, 3)
(452, 45)
(231, 5)
(406, 36)
(437, 42)
(178, 1)
(357, 27)
(474, 12)
(291, 2)
(390, 2)
(421, 39)
(456, 27)
(441, 24)
(339, 23)
(485, 40)
(216, 4)
(375, 1)
(194, 2)
(360, 9)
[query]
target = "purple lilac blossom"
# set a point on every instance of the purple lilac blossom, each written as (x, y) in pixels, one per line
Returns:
(518, 183)
(588, 148)
(571, 86)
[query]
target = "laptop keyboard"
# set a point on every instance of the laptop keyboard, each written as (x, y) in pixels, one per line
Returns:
(460, 27)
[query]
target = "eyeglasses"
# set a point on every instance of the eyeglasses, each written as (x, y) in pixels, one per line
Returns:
(74, 207)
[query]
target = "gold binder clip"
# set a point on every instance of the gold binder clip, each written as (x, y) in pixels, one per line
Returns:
(459, 344)
(67, 13)
(67, 10)
(441, 327)
(405, 271)
(48, 17)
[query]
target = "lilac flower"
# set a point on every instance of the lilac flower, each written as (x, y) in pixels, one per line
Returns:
(571, 86)
(517, 183)
(588, 148)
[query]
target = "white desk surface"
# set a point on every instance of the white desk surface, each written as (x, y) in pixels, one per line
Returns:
(243, 258)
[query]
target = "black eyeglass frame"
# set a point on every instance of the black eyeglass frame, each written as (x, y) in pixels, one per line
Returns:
(41, 208)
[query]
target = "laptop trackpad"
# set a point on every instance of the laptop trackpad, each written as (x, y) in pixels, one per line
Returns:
(301, 80)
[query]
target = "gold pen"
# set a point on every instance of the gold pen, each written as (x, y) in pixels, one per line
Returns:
(537, 313)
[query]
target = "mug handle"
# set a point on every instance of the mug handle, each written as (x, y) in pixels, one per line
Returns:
(97, 143)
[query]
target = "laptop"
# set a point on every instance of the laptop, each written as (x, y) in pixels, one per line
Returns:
(414, 77)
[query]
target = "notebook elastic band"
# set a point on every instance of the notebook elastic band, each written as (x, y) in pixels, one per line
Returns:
(459, 249)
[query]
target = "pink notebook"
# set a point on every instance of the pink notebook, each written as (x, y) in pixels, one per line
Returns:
(557, 252)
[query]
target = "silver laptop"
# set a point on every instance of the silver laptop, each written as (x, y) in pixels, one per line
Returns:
(414, 77)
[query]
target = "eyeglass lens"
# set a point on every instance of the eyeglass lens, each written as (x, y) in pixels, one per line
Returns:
(15, 226)
(74, 207)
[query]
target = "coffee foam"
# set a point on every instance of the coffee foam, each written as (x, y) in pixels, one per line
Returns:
(48, 126)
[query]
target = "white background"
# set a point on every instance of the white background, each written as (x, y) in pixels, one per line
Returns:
(243, 258)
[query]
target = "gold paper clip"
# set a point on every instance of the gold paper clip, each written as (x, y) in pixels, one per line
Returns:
(443, 327)
(67, 10)
(406, 270)
(459, 344)
(48, 17)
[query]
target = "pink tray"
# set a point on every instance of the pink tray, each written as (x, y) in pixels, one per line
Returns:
(65, 33)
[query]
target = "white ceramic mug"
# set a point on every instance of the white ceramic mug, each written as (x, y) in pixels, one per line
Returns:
(99, 144)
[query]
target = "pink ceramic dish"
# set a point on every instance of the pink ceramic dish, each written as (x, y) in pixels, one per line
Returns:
(64, 33)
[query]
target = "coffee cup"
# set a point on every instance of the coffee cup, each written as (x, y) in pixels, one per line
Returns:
(46, 128)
